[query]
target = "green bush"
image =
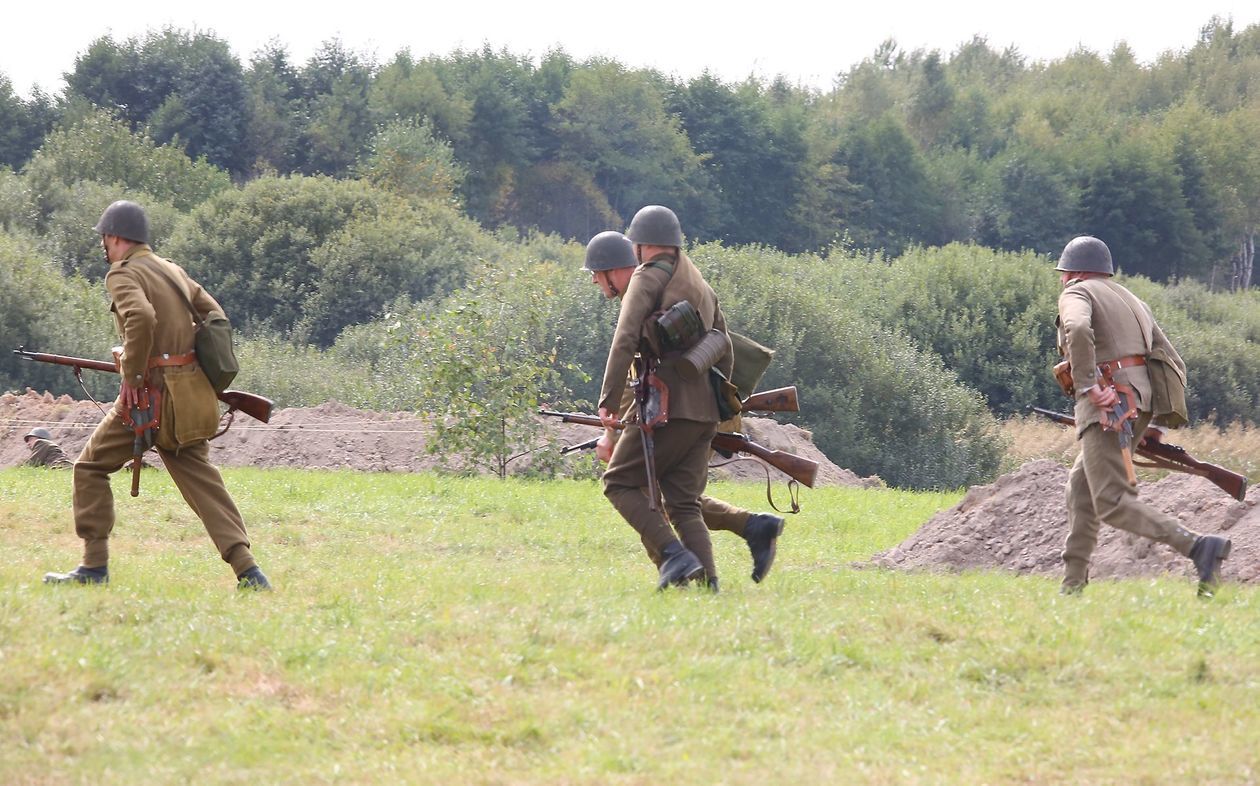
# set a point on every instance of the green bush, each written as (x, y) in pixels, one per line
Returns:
(313, 254)
(47, 312)
(875, 403)
(988, 315)
(68, 239)
(97, 147)
(411, 251)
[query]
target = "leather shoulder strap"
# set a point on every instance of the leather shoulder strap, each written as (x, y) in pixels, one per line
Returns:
(179, 291)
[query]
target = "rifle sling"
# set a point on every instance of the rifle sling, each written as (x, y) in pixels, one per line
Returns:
(794, 488)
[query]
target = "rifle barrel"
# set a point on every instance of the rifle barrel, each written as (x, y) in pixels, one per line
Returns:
(799, 468)
(257, 407)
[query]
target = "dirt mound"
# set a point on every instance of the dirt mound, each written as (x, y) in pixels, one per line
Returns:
(335, 436)
(1020, 521)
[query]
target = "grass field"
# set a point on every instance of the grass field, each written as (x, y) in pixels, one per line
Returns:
(437, 630)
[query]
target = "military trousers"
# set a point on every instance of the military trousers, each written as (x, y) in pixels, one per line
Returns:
(718, 515)
(1098, 491)
(682, 470)
(199, 481)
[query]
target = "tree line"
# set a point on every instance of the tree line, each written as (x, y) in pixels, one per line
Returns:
(910, 148)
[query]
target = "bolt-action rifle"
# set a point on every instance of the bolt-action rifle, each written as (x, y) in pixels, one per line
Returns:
(799, 468)
(1165, 456)
(255, 406)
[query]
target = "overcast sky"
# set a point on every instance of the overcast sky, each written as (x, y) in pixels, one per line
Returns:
(808, 42)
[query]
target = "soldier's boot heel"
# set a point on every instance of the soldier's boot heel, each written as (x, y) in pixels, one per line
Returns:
(253, 579)
(678, 565)
(80, 575)
(762, 532)
(1207, 554)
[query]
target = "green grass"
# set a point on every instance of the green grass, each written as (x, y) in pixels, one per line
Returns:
(438, 630)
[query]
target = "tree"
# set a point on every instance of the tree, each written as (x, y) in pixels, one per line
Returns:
(335, 83)
(487, 360)
(1031, 203)
(275, 123)
(179, 85)
(400, 251)
(99, 148)
(406, 157)
(304, 257)
(556, 197)
(23, 124)
(897, 204)
(754, 161)
(253, 247)
(1131, 198)
(405, 90)
(503, 134)
(614, 123)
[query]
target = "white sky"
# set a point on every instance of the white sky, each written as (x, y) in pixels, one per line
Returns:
(809, 42)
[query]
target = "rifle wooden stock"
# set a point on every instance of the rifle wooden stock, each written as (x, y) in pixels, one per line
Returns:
(257, 407)
(799, 468)
(1173, 457)
(777, 400)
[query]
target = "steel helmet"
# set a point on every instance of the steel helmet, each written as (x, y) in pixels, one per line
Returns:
(39, 432)
(124, 219)
(1086, 254)
(608, 251)
(655, 225)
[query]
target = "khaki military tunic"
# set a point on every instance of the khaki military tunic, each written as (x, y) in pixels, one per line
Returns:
(45, 453)
(152, 321)
(682, 444)
(1099, 320)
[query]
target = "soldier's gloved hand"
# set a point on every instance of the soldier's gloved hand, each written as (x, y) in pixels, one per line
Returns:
(1102, 397)
(609, 419)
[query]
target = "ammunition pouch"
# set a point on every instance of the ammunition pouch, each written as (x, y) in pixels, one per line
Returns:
(1063, 375)
(1168, 391)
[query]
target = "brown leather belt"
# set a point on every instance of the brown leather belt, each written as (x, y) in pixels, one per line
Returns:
(1119, 363)
(173, 360)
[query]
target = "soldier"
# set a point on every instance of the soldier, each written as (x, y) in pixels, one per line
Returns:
(151, 300)
(1099, 322)
(664, 277)
(611, 261)
(45, 452)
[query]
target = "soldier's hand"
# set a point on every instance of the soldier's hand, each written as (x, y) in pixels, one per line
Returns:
(1154, 434)
(1102, 397)
(129, 396)
(604, 448)
(609, 419)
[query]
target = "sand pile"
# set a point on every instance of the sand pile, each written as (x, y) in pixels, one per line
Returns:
(1019, 522)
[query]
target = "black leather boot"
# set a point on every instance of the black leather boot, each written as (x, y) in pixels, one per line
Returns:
(1207, 553)
(762, 532)
(678, 565)
(80, 575)
(253, 579)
